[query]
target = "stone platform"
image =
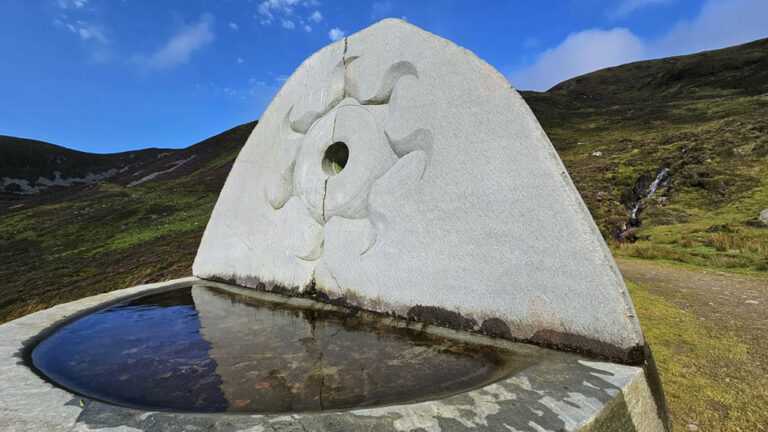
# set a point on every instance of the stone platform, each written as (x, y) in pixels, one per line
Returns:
(559, 392)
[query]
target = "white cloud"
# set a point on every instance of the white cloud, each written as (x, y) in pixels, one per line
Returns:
(312, 3)
(239, 60)
(93, 36)
(233, 26)
(61, 24)
(67, 4)
(288, 24)
(268, 8)
(316, 16)
(626, 7)
(90, 31)
(720, 23)
(580, 53)
(307, 28)
(88, 34)
(180, 47)
(86, 31)
(336, 34)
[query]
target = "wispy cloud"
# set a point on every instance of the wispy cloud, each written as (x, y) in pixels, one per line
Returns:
(720, 23)
(288, 24)
(71, 4)
(336, 34)
(268, 8)
(233, 26)
(580, 53)
(180, 47)
(530, 42)
(85, 30)
(626, 7)
(381, 9)
(93, 35)
(316, 16)
(283, 12)
(239, 60)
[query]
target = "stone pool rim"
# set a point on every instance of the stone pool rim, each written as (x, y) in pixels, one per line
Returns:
(30, 401)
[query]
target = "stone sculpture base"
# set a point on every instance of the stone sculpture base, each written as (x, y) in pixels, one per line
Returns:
(560, 392)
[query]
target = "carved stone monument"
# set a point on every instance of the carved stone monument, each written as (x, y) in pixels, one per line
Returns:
(399, 173)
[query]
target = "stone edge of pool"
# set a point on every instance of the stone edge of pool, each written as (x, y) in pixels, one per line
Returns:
(563, 391)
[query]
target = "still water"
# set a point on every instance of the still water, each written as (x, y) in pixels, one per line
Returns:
(206, 349)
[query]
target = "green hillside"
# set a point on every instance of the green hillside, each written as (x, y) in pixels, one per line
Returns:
(65, 243)
(702, 116)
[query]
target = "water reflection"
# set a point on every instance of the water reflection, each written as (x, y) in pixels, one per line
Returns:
(207, 349)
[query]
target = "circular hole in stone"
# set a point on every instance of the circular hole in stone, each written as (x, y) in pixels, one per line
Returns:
(335, 158)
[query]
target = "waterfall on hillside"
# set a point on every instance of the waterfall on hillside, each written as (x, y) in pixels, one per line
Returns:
(651, 190)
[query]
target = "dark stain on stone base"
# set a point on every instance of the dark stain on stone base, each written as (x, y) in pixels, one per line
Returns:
(441, 317)
(582, 344)
(322, 296)
(657, 391)
(496, 327)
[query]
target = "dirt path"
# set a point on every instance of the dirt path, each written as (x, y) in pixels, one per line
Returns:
(740, 302)
(708, 330)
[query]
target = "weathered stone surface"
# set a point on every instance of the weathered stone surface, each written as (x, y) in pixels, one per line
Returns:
(560, 392)
(452, 198)
(764, 216)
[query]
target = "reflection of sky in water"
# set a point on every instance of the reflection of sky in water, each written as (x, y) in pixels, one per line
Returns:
(206, 349)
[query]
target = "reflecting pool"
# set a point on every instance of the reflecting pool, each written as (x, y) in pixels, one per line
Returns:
(209, 349)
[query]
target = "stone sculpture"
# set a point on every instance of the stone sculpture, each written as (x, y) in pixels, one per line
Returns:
(399, 173)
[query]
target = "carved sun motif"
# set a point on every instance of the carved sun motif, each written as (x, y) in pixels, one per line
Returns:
(334, 161)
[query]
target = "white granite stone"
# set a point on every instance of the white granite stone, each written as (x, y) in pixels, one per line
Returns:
(452, 197)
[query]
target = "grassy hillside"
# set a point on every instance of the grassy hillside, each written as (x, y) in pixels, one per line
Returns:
(69, 242)
(702, 116)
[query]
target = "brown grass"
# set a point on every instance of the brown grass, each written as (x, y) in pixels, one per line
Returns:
(721, 242)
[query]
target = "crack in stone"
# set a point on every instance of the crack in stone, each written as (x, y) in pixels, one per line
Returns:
(325, 191)
(336, 281)
(344, 65)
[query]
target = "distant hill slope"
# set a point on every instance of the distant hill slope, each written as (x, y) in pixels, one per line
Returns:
(29, 167)
(703, 117)
(741, 70)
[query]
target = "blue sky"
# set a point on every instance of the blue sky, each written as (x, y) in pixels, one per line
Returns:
(114, 75)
